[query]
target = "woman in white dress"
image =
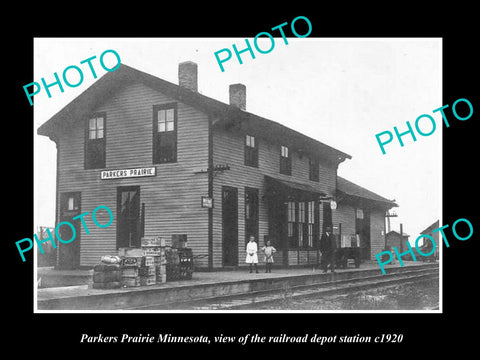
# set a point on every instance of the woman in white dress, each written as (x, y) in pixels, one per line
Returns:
(252, 257)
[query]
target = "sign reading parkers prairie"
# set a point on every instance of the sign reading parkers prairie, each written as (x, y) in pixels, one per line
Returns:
(127, 173)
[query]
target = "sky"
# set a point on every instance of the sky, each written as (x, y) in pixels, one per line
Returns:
(339, 91)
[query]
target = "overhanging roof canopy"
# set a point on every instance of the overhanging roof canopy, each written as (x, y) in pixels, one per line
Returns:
(347, 190)
(281, 188)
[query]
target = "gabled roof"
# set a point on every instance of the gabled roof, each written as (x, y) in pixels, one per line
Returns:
(393, 232)
(224, 115)
(86, 102)
(432, 227)
(350, 189)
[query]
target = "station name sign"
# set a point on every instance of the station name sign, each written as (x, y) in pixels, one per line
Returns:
(127, 173)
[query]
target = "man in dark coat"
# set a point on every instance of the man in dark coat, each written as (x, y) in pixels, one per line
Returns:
(328, 246)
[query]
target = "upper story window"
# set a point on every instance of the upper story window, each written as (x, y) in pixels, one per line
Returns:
(164, 133)
(359, 214)
(314, 170)
(285, 161)
(95, 142)
(251, 151)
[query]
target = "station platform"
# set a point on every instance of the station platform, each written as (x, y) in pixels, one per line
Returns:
(79, 294)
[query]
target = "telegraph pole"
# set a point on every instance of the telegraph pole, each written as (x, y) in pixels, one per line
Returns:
(388, 215)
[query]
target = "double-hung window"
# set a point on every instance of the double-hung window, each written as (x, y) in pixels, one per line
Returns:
(251, 151)
(314, 170)
(290, 218)
(95, 142)
(164, 133)
(285, 161)
(311, 222)
(301, 223)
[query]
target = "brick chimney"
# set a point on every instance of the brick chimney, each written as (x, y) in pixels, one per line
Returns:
(238, 96)
(187, 75)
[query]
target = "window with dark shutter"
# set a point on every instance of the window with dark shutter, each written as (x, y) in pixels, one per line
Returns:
(164, 133)
(291, 220)
(285, 161)
(314, 170)
(251, 151)
(95, 142)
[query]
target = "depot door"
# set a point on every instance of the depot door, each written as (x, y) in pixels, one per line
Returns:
(362, 228)
(69, 253)
(128, 221)
(230, 225)
(327, 216)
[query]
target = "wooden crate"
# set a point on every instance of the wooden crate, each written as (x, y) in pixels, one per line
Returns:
(130, 281)
(153, 251)
(147, 270)
(148, 261)
(172, 272)
(129, 272)
(159, 260)
(153, 241)
(131, 261)
(148, 280)
(160, 269)
(179, 241)
(172, 256)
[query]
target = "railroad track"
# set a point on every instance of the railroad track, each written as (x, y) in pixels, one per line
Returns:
(253, 299)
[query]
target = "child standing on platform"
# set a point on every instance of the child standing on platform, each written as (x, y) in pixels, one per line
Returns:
(252, 257)
(268, 250)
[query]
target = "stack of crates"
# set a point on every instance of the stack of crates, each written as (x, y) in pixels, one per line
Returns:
(155, 249)
(160, 267)
(130, 276)
(131, 261)
(173, 264)
(155, 263)
(147, 271)
(185, 256)
(145, 265)
(179, 259)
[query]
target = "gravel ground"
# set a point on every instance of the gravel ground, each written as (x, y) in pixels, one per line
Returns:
(421, 296)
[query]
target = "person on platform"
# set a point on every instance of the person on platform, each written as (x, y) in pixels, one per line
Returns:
(268, 251)
(252, 257)
(328, 246)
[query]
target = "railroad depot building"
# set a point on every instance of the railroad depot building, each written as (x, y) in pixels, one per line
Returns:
(169, 161)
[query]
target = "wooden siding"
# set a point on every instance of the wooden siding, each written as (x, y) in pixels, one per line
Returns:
(171, 198)
(345, 215)
(228, 148)
(278, 257)
(293, 257)
(377, 229)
